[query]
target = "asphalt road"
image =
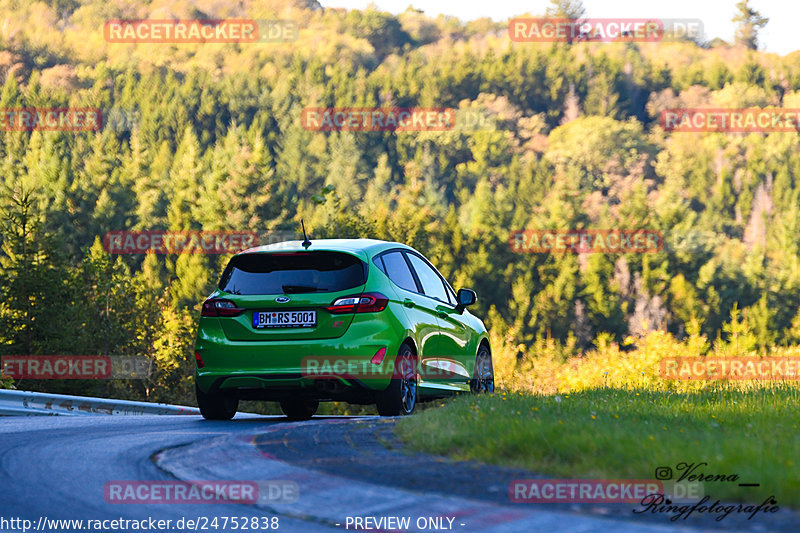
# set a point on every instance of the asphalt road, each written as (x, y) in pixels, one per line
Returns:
(321, 475)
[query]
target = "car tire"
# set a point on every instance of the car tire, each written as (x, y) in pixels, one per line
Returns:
(400, 397)
(216, 406)
(483, 376)
(298, 409)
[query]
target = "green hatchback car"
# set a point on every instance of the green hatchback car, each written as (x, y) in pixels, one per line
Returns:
(354, 320)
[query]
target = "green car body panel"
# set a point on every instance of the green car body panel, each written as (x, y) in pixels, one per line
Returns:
(271, 363)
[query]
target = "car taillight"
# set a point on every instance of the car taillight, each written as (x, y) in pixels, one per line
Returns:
(220, 307)
(369, 302)
(199, 360)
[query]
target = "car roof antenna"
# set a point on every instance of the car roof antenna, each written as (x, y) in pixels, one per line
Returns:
(306, 243)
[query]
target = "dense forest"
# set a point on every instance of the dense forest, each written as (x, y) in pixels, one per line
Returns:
(213, 140)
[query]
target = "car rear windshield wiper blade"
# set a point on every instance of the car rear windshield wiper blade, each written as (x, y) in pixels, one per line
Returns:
(301, 288)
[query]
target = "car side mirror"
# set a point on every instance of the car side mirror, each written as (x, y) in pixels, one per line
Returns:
(465, 297)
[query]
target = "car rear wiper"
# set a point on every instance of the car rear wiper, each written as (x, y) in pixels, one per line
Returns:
(301, 288)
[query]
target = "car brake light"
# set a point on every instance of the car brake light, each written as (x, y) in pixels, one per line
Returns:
(220, 307)
(199, 360)
(369, 302)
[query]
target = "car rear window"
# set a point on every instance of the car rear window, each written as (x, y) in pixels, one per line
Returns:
(292, 273)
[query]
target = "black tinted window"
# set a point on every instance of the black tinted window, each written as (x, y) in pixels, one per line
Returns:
(397, 269)
(288, 273)
(431, 282)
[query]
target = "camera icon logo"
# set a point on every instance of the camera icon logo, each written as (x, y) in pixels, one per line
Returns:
(663, 473)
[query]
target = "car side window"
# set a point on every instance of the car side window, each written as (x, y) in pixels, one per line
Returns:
(451, 296)
(397, 269)
(432, 284)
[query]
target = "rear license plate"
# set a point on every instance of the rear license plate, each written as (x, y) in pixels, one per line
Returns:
(284, 319)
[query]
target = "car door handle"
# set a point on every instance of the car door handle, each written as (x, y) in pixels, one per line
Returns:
(409, 303)
(441, 314)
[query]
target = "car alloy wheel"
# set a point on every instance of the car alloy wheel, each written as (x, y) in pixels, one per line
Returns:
(400, 397)
(483, 376)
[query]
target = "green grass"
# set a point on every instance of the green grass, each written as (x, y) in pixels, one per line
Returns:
(626, 434)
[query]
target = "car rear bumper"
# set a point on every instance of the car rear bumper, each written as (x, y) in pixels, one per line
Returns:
(330, 368)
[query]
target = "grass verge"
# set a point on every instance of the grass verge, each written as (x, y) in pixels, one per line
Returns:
(627, 434)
